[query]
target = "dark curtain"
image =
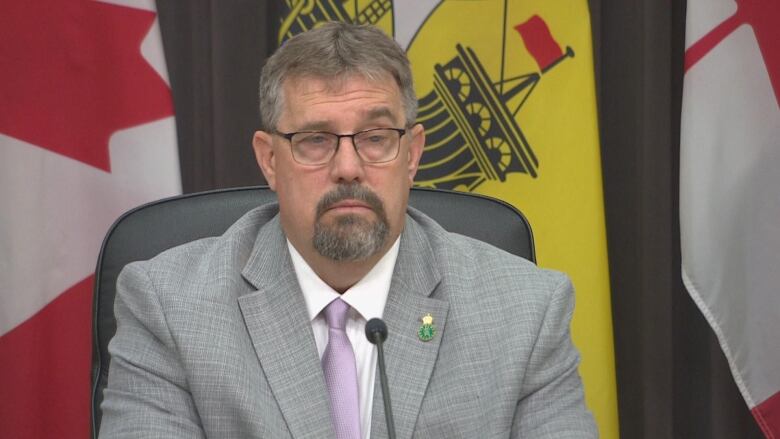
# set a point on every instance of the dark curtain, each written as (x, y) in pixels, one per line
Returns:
(673, 380)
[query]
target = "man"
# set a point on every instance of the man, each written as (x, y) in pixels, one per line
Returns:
(259, 332)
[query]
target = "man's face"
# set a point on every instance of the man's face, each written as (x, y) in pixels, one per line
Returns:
(345, 209)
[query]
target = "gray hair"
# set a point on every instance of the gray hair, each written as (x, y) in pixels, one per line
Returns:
(332, 52)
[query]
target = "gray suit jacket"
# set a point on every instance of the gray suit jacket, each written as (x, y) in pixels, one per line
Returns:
(213, 340)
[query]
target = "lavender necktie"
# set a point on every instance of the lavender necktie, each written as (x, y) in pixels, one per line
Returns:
(338, 363)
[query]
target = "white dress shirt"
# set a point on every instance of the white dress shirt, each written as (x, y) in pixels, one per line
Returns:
(367, 299)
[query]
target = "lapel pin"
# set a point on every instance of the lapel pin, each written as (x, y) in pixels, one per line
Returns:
(427, 330)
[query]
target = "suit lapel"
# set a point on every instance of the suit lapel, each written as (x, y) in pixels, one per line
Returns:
(278, 324)
(409, 360)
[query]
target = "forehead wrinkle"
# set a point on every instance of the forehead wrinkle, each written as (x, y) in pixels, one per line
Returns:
(379, 113)
(327, 96)
(337, 82)
(336, 89)
(319, 93)
(370, 115)
(316, 125)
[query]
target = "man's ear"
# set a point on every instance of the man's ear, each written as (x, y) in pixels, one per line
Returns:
(416, 143)
(264, 154)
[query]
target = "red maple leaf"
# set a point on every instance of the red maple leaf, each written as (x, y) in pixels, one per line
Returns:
(764, 17)
(72, 74)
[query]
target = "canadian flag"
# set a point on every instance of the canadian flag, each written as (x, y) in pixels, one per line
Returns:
(86, 132)
(730, 189)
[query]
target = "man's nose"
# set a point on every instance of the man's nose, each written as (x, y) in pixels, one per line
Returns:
(346, 165)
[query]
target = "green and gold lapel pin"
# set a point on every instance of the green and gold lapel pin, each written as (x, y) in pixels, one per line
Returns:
(427, 330)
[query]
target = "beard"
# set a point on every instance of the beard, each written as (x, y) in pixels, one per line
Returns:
(350, 237)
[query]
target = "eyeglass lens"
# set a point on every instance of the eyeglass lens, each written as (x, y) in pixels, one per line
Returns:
(373, 146)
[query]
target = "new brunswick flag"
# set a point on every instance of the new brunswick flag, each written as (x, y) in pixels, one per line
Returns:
(507, 99)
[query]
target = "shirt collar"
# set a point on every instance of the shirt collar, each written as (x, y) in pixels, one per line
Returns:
(368, 296)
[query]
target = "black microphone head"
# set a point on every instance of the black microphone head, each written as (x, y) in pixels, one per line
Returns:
(376, 330)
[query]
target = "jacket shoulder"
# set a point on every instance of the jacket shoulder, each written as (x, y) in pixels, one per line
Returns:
(463, 256)
(198, 266)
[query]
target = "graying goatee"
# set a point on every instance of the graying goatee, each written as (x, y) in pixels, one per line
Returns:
(351, 237)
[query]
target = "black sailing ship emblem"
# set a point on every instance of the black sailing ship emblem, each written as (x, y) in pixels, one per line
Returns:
(471, 133)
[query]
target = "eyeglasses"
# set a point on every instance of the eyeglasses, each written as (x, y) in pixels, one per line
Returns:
(378, 145)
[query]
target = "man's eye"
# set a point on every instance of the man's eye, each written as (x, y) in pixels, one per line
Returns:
(375, 138)
(315, 139)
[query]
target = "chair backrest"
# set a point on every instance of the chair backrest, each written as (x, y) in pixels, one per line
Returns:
(147, 230)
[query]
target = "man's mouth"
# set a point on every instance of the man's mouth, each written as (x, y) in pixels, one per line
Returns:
(349, 205)
(350, 199)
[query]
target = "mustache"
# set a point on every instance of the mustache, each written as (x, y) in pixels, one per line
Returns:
(350, 192)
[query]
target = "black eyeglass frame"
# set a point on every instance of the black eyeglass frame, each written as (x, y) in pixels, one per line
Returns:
(289, 136)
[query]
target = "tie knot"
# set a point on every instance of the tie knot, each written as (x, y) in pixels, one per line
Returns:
(336, 314)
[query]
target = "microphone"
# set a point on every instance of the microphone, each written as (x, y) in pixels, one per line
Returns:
(376, 332)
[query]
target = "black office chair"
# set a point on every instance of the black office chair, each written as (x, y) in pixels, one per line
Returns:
(152, 228)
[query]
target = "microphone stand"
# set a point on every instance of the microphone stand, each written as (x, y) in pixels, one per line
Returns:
(376, 332)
